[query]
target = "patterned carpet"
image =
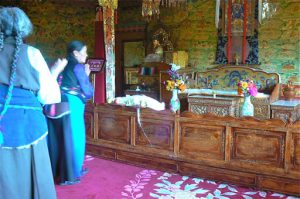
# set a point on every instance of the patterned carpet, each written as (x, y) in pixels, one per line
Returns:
(112, 180)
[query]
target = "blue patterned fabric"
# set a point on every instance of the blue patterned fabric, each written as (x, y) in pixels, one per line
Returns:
(221, 48)
(77, 137)
(24, 122)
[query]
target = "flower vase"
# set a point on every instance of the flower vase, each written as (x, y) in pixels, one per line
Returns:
(247, 108)
(174, 102)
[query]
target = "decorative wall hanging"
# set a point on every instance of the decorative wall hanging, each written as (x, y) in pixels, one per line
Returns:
(112, 4)
(237, 36)
(151, 8)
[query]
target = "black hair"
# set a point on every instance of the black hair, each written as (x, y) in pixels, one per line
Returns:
(74, 45)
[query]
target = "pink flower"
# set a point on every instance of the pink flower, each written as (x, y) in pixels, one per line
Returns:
(253, 90)
(247, 87)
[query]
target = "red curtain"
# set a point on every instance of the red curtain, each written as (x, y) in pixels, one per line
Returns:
(100, 86)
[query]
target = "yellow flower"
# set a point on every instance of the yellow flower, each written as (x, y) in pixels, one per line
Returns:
(175, 82)
(181, 87)
(244, 85)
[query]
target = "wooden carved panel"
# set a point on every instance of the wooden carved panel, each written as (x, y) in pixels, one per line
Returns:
(89, 124)
(198, 109)
(222, 110)
(202, 141)
(262, 111)
(283, 115)
(286, 114)
(114, 128)
(258, 146)
(202, 104)
(147, 161)
(296, 151)
(155, 133)
(280, 185)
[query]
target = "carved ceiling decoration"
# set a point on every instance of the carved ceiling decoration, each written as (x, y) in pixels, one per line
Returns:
(151, 8)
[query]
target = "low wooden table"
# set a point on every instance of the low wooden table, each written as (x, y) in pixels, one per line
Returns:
(288, 111)
(220, 105)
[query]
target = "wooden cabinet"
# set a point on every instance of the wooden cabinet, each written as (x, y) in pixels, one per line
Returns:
(222, 106)
(259, 153)
(288, 111)
(149, 84)
(89, 120)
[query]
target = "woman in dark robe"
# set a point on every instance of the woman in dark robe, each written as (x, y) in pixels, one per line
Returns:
(66, 140)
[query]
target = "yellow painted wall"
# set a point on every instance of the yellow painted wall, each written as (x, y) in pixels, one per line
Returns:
(56, 24)
(192, 30)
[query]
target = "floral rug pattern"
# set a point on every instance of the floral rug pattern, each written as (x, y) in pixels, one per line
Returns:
(134, 189)
(174, 186)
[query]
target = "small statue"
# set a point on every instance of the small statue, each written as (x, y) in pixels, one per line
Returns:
(236, 58)
(157, 54)
(157, 48)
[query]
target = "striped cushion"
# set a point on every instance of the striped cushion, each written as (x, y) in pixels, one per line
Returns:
(147, 71)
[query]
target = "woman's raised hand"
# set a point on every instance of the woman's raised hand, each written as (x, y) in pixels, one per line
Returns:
(87, 69)
(58, 66)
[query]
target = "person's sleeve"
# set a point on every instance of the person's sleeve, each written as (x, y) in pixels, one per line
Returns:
(84, 82)
(49, 92)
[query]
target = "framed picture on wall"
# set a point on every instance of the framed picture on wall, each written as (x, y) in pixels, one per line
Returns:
(131, 75)
(134, 53)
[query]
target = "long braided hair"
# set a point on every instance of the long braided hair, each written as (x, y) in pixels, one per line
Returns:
(13, 23)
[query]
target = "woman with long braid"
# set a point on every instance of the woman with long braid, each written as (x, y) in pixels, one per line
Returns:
(25, 82)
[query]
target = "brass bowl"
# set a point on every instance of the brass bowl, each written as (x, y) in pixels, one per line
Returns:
(289, 94)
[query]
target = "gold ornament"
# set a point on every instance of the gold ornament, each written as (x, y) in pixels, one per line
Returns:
(113, 4)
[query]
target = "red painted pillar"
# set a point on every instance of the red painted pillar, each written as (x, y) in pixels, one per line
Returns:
(100, 85)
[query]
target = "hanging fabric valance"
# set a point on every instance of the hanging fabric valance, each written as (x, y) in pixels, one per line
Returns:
(112, 4)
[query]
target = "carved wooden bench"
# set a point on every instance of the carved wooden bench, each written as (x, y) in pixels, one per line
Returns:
(223, 81)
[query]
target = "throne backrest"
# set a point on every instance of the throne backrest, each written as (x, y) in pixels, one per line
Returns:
(227, 77)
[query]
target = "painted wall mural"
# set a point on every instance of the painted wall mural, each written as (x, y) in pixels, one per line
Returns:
(56, 24)
(193, 30)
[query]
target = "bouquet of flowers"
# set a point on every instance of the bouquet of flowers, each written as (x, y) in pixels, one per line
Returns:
(175, 81)
(247, 88)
